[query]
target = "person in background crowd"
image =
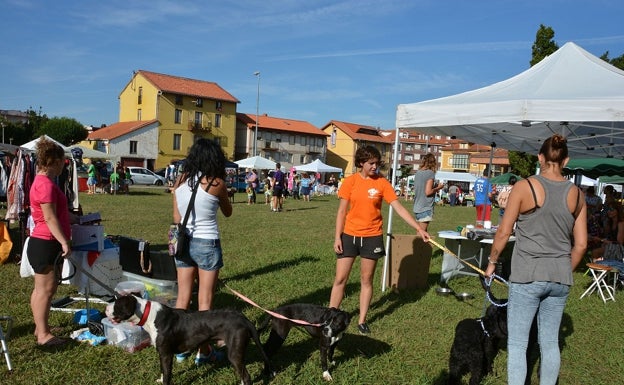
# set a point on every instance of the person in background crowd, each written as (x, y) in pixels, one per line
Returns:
(252, 177)
(551, 238)
(278, 182)
(171, 174)
(482, 194)
(250, 193)
(359, 228)
(50, 239)
(609, 242)
(305, 184)
(114, 182)
(92, 178)
(267, 190)
(503, 196)
(593, 201)
(453, 192)
(205, 165)
(425, 190)
(127, 180)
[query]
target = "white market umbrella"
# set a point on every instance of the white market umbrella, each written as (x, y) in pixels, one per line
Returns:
(317, 166)
(256, 162)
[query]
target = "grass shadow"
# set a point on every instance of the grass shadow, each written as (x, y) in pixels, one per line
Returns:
(271, 268)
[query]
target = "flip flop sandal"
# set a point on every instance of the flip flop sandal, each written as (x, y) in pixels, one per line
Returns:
(54, 342)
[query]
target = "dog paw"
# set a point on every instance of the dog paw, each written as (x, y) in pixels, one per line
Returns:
(160, 380)
(327, 376)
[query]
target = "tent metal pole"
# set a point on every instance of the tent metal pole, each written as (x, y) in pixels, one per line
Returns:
(395, 161)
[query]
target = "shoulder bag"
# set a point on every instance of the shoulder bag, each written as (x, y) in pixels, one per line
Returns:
(178, 235)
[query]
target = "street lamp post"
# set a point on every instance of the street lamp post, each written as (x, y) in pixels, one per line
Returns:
(255, 146)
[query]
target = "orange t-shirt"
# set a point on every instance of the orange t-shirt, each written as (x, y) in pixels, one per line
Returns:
(364, 196)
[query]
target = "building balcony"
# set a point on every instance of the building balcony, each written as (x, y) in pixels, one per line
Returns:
(200, 126)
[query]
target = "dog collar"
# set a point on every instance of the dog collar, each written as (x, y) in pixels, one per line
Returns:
(148, 306)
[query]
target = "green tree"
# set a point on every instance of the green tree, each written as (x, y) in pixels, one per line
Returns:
(522, 163)
(544, 44)
(65, 130)
(617, 62)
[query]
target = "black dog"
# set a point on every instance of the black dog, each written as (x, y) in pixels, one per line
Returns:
(476, 342)
(175, 331)
(326, 324)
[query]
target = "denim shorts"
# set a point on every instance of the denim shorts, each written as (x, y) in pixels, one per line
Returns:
(425, 216)
(205, 254)
(91, 181)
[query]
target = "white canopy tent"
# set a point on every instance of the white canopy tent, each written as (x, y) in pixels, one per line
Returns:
(257, 162)
(570, 92)
(317, 166)
(32, 145)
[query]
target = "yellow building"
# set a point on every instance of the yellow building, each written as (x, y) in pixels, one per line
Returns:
(185, 109)
(345, 138)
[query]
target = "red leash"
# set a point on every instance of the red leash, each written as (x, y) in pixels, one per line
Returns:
(274, 314)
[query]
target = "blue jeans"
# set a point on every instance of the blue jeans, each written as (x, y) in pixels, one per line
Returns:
(548, 300)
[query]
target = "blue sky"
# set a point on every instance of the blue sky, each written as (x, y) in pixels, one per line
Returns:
(350, 60)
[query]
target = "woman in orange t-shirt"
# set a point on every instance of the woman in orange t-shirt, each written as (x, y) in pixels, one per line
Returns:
(359, 228)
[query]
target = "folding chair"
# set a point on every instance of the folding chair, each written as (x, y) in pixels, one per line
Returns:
(3, 338)
(600, 274)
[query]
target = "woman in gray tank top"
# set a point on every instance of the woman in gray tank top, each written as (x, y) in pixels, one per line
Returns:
(551, 238)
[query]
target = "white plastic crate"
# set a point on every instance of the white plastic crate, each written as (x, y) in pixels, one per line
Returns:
(125, 335)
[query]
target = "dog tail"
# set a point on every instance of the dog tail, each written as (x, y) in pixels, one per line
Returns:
(268, 369)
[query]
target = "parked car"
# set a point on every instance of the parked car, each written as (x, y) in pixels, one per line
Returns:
(141, 175)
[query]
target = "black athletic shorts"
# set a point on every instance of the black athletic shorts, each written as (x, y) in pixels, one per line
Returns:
(43, 253)
(365, 247)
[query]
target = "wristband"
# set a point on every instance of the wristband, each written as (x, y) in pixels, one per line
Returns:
(493, 262)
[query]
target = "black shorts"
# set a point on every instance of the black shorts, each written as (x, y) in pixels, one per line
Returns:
(278, 192)
(365, 247)
(43, 253)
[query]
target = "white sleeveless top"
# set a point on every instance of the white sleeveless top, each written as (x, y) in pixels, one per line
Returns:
(202, 222)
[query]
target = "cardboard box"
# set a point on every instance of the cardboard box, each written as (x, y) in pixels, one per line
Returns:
(410, 258)
(87, 237)
(125, 335)
(105, 268)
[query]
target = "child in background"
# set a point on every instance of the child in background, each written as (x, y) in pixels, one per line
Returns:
(250, 193)
(267, 191)
(114, 182)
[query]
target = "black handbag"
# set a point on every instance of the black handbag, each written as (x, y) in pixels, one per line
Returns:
(179, 239)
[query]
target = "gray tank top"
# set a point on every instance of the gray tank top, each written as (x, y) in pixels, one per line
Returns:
(543, 238)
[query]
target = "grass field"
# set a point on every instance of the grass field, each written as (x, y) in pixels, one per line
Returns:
(279, 258)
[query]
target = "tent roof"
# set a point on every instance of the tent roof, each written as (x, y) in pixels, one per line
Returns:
(32, 145)
(596, 167)
(455, 176)
(570, 92)
(257, 162)
(317, 166)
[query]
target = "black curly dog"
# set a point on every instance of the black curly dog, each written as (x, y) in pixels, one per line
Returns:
(476, 342)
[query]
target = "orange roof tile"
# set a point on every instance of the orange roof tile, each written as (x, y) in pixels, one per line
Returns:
(361, 132)
(186, 86)
(280, 124)
(118, 129)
